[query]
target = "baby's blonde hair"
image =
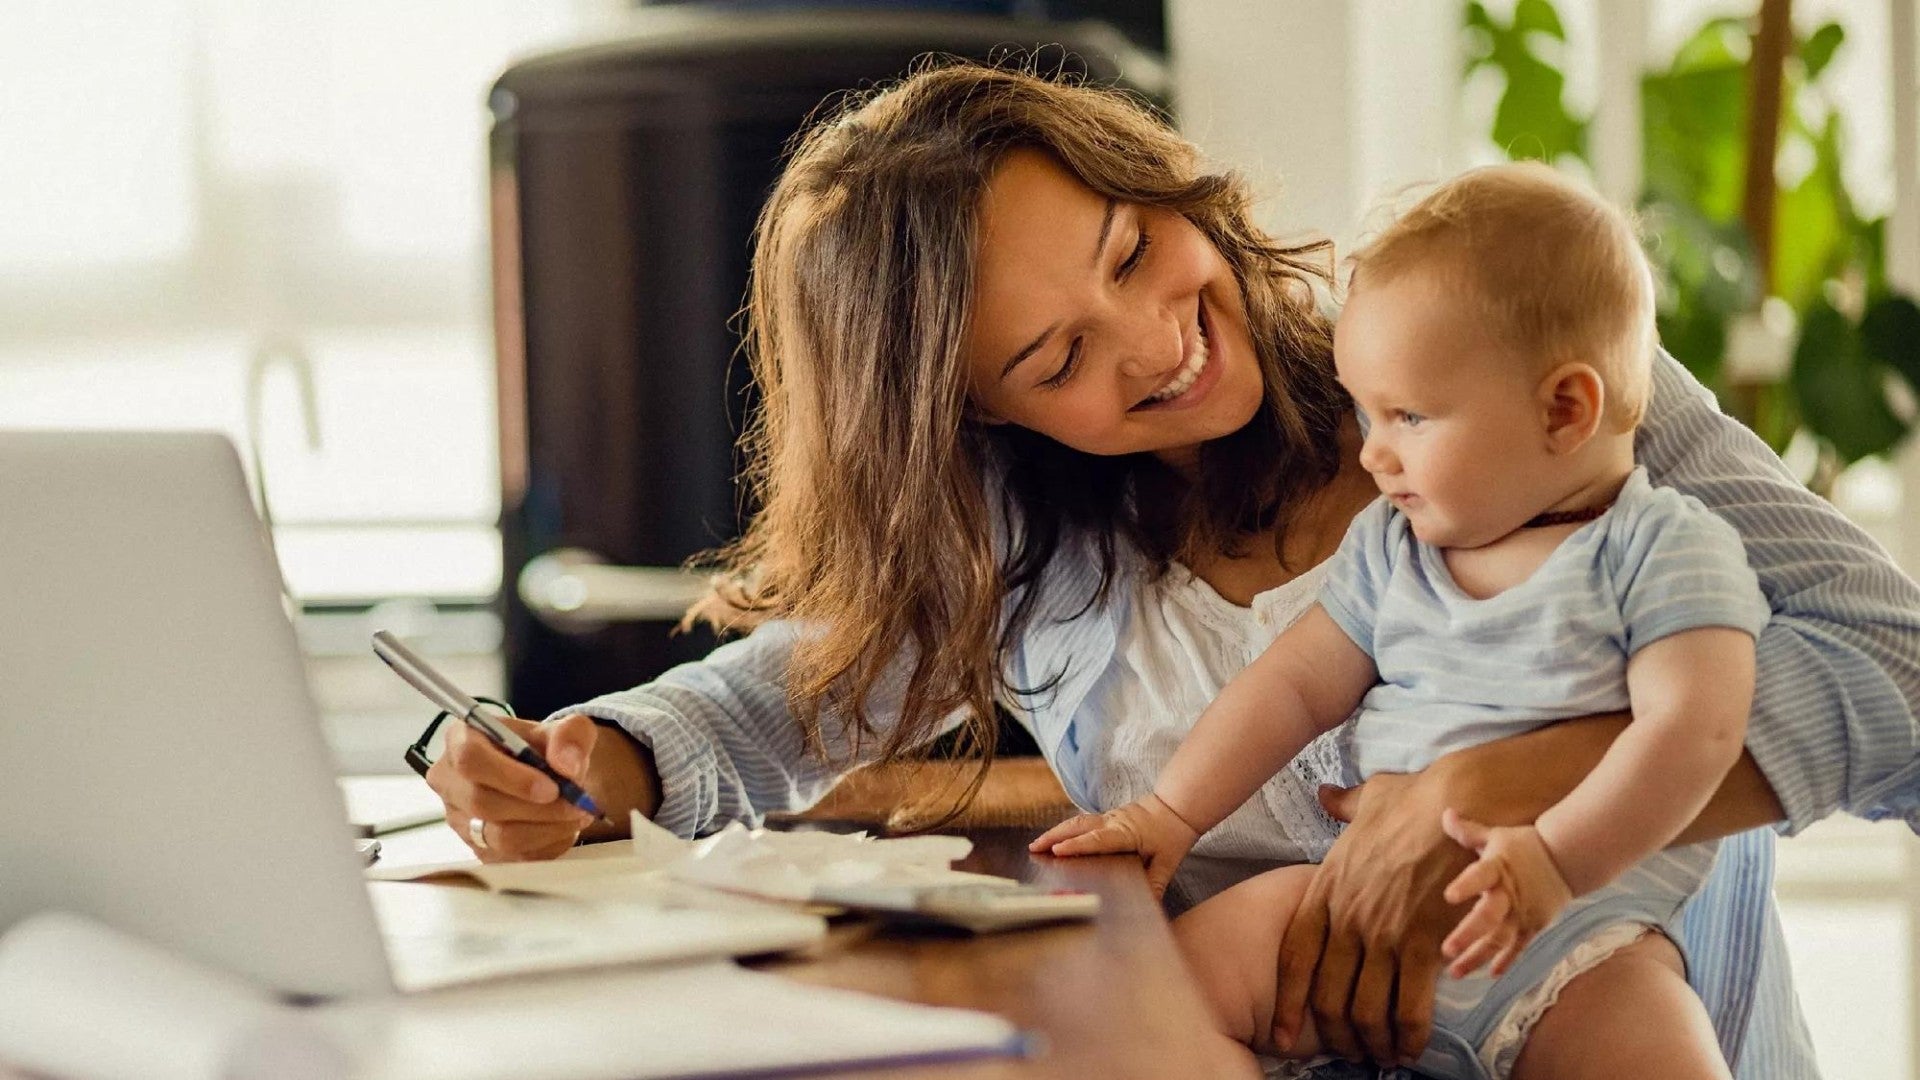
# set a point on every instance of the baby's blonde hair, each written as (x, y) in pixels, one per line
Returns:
(1556, 272)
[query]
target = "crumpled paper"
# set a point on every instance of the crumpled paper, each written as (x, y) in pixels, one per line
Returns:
(792, 865)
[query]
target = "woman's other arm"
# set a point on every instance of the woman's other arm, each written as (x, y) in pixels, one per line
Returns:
(1838, 668)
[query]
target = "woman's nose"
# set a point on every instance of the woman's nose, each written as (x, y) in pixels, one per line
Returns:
(1153, 347)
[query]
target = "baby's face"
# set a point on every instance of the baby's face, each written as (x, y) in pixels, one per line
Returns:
(1456, 426)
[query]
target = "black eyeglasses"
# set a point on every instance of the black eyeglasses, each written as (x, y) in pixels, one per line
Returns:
(417, 753)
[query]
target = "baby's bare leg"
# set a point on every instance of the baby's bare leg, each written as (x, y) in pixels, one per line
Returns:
(1232, 946)
(1632, 1014)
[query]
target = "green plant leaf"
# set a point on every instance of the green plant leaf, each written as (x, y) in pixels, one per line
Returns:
(1696, 338)
(1532, 120)
(1870, 251)
(1841, 391)
(1812, 236)
(1694, 125)
(1718, 43)
(1817, 51)
(1890, 333)
(1538, 17)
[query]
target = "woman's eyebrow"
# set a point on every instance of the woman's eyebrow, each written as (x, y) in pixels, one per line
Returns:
(1100, 245)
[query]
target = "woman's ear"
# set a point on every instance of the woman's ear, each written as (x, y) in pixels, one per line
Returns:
(1573, 401)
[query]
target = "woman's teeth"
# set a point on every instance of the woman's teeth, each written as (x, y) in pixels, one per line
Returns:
(1196, 361)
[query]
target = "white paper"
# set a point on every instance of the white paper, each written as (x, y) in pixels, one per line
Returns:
(385, 803)
(703, 1019)
(792, 865)
(438, 936)
(720, 872)
(82, 1000)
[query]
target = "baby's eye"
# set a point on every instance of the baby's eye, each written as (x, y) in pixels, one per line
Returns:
(1412, 419)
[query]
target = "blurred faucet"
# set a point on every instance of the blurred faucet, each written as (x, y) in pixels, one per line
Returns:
(268, 353)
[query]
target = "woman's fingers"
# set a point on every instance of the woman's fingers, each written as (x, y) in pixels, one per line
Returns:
(1413, 1000)
(1299, 957)
(491, 805)
(1340, 803)
(567, 744)
(519, 809)
(476, 758)
(1332, 992)
(1371, 1007)
(513, 841)
(1464, 831)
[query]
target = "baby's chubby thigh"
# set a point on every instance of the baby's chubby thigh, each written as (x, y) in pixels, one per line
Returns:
(1232, 947)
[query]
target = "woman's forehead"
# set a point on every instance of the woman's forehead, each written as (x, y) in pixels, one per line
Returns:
(1034, 203)
(1041, 231)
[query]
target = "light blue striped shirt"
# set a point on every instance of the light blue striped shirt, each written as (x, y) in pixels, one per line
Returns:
(1833, 723)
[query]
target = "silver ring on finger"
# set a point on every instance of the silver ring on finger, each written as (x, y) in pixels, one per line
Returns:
(477, 832)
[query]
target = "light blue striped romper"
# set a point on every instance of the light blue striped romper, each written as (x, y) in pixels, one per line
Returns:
(1456, 671)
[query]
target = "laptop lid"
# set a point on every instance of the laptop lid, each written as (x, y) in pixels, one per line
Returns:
(164, 768)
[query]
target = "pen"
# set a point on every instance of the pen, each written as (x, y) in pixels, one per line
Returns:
(439, 690)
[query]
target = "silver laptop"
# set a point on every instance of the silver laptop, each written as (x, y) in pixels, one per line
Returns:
(164, 769)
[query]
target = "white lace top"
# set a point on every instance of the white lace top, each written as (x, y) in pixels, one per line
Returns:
(1179, 644)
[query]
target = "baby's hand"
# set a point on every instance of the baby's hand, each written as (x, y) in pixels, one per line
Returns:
(1148, 826)
(1520, 891)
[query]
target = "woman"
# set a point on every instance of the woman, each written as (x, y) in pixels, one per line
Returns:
(1049, 423)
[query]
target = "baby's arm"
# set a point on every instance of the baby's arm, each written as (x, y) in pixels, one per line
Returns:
(1305, 683)
(1690, 693)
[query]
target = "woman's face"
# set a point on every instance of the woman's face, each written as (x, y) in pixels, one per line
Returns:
(1109, 327)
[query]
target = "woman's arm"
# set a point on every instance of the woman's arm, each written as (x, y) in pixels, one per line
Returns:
(706, 743)
(1513, 781)
(1838, 669)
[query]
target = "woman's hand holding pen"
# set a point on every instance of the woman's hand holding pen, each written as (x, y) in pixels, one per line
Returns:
(507, 811)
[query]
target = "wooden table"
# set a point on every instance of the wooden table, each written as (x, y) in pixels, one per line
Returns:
(1108, 999)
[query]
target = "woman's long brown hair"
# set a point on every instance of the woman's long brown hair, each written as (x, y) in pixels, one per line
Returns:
(875, 524)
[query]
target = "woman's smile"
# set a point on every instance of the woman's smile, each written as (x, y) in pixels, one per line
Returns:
(1089, 334)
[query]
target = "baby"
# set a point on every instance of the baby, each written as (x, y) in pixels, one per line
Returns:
(1517, 570)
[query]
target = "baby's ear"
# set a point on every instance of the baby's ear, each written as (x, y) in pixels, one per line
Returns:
(1573, 401)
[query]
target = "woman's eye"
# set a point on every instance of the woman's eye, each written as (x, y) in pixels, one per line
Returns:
(1066, 369)
(1139, 252)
